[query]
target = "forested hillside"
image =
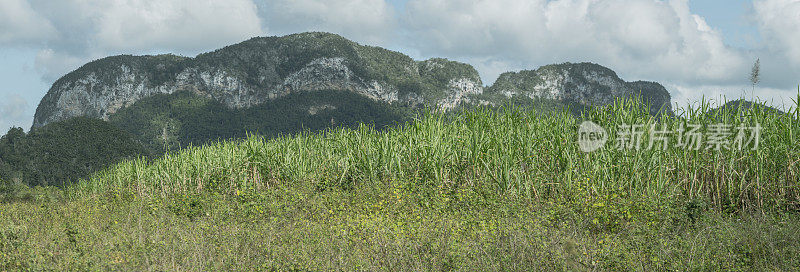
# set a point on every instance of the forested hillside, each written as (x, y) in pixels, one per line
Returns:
(169, 122)
(63, 152)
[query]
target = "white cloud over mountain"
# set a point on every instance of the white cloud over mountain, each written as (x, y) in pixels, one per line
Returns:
(366, 21)
(75, 31)
(640, 38)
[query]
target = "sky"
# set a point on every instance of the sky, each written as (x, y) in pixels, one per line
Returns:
(696, 48)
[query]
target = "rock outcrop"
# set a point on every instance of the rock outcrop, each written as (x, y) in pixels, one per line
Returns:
(259, 70)
(587, 84)
(266, 68)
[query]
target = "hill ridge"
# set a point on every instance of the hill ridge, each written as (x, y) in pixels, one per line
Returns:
(262, 69)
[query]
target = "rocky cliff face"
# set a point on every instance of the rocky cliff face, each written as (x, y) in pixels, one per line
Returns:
(265, 68)
(587, 84)
(105, 86)
(456, 81)
(259, 70)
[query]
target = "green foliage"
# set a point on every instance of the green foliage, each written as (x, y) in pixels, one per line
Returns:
(189, 206)
(10, 193)
(307, 186)
(654, 96)
(522, 80)
(437, 73)
(525, 80)
(743, 108)
(167, 122)
(63, 152)
(386, 66)
(492, 152)
(482, 189)
(265, 62)
(158, 68)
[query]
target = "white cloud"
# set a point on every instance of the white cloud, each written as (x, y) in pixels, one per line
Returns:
(368, 21)
(13, 111)
(89, 29)
(178, 25)
(779, 22)
(83, 30)
(470, 28)
(686, 95)
(654, 40)
(52, 65)
(659, 40)
(20, 24)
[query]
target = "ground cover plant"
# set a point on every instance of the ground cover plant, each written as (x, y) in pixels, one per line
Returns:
(483, 189)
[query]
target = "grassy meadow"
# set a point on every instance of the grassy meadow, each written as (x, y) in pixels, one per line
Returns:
(482, 190)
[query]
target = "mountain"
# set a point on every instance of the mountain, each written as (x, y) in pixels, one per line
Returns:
(264, 69)
(306, 82)
(124, 106)
(580, 84)
(259, 70)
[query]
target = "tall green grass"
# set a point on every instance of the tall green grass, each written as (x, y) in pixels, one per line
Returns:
(483, 189)
(507, 153)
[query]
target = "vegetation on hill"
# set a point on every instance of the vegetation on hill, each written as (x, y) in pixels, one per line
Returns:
(65, 151)
(741, 106)
(159, 68)
(490, 150)
(478, 190)
(254, 70)
(169, 122)
(291, 53)
(585, 84)
(526, 80)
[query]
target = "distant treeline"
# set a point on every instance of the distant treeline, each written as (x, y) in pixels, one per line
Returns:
(64, 151)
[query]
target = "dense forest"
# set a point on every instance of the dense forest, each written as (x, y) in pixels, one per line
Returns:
(65, 151)
(169, 122)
